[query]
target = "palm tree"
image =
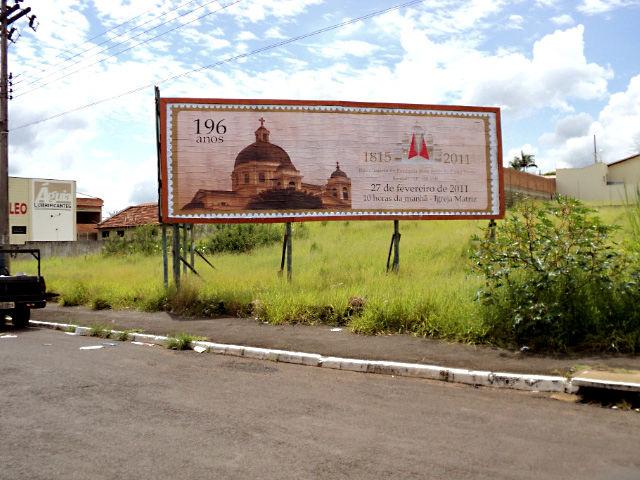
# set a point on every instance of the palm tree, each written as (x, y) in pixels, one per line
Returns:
(522, 162)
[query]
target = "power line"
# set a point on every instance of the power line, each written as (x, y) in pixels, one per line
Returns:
(121, 43)
(228, 60)
(70, 51)
(35, 81)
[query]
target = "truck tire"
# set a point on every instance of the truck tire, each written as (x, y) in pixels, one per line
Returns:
(20, 317)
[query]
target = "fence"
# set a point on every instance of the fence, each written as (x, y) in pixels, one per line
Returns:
(65, 249)
(522, 183)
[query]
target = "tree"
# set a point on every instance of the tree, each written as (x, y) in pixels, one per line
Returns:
(522, 162)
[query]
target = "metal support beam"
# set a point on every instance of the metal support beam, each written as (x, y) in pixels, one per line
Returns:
(492, 229)
(192, 246)
(394, 248)
(185, 246)
(175, 242)
(165, 261)
(287, 248)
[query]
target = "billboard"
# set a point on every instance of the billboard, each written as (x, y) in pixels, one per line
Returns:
(227, 161)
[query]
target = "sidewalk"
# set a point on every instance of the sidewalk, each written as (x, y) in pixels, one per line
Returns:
(322, 340)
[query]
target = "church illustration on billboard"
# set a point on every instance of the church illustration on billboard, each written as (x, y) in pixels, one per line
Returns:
(265, 178)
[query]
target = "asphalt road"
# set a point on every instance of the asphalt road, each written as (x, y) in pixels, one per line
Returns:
(136, 412)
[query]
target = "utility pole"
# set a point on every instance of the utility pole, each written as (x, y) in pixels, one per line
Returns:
(8, 15)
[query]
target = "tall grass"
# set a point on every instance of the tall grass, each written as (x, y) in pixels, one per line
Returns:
(433, 294)
(333, 264)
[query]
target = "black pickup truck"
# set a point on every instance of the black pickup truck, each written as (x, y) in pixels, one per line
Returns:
(20, 293)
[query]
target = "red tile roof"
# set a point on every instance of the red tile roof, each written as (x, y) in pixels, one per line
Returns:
(134, 216)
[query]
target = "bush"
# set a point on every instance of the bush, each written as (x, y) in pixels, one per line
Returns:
(143, 240)
(555, 280)
(239, 238)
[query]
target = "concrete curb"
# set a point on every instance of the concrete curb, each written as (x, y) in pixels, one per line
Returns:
(606, 384)
(514, 381)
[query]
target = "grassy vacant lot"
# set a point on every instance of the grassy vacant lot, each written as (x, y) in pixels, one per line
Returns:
(338, 267)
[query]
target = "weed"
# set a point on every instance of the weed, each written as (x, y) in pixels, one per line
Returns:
(182, 341)
(70, 329)
(123, 335)
(99, 330)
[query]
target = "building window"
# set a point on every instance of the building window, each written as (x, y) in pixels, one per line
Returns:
(345, 193)
(334, 192)
(105, 234)
(292, 184)
(121, 233)
(261, 178)
(246, 178)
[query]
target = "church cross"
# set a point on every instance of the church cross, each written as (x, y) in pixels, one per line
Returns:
(261, 122)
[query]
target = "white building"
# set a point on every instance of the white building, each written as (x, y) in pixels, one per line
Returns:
(41, 210)
(615, 183)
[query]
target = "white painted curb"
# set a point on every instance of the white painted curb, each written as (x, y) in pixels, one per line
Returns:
(515, 381)
(607, 384)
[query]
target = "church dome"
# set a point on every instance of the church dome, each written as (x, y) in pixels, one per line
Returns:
(338, 173)
(262, 150)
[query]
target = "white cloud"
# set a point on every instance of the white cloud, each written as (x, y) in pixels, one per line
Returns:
(617, 129)
(563, 20)
(206, 41)
(571, 126)
(556, 72)
(515, 22)
(274, 32)
(259, 10)
(442, 17)
(246, 35)
(350, 29)
(144, 192)
(593, 7)
(343, 48)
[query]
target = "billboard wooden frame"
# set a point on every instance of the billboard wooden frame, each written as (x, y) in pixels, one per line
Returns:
(163, 174)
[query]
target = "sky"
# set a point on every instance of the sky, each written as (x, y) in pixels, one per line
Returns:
(83, 99)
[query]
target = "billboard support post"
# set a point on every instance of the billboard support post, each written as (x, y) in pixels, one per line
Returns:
(176, 254)
(394, 248)
(286, 251)
(192, 247)
(165, 263)
(492, 229)
(185, 246)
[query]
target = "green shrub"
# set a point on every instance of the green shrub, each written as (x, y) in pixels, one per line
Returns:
(239, 238)
(555, 280)
(633, 216)
(143, 240)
